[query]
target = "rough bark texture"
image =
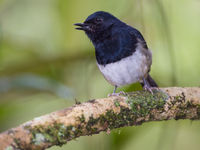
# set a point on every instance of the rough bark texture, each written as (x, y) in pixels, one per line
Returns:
(104, 114)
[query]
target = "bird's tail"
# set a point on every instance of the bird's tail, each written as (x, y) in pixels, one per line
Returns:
(151, 82)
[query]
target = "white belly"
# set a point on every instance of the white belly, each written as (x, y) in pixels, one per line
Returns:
(128, 70)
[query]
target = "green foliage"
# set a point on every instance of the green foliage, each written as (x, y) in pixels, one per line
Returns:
(142, 106)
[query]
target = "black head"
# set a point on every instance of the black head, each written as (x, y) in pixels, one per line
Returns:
(98, 25)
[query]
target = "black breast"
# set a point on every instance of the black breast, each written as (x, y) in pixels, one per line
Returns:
(119, 45)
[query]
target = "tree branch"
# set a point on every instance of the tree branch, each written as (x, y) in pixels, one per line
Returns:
(104, 114)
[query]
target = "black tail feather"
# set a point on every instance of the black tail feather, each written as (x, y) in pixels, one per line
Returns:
(150, 82)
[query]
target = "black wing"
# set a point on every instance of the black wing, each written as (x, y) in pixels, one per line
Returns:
(136, 34)
(121, 44)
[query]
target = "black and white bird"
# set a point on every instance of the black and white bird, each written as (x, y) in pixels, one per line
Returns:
(121, 52)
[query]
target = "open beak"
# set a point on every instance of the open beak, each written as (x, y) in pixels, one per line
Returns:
(82, 26)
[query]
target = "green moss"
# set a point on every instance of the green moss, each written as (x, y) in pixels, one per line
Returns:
(142, 104)
(185, 109)
(82, 118)
(125, 117)
(57, 134)
(9, 148)
(116, 102)
(179, 98)
(91, 122)
(17, 142)
(180, 115)
(39, 138)
(78, 131)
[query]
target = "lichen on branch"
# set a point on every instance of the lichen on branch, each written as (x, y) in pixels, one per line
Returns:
(104, 114)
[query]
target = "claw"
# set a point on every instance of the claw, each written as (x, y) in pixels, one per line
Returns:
(147, 88)
(113, 94)
(117, 94)
(122, 93)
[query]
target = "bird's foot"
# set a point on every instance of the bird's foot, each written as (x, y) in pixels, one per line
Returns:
(147, 87)
(155, 88)
(122, 93)
(150, 89)
(117, 94)
(113, 94)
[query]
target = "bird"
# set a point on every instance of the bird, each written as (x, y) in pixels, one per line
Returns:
(122, 54)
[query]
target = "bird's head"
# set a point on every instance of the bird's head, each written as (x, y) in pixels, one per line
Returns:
(98, 25)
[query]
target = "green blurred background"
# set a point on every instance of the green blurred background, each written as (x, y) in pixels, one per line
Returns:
(45, 64)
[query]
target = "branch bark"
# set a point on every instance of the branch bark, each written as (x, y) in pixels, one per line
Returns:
(103, 114)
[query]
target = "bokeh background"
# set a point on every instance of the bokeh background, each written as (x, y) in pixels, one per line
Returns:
(45, 64)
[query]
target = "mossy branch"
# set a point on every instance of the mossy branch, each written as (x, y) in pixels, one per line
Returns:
(104, 114)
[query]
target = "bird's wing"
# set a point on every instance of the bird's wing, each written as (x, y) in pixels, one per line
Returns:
(135, 34)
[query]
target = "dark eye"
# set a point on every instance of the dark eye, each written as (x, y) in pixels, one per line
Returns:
(98, 20)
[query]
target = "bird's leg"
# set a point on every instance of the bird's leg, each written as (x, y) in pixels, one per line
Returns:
(114, 92)
(146, 86)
